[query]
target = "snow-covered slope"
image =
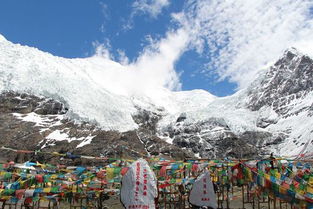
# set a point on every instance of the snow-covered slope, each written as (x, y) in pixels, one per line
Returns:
(80, 83)
(273, 114)
(91, 87)
(283, 98)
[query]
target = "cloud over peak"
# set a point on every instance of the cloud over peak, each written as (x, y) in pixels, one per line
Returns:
(239, 37)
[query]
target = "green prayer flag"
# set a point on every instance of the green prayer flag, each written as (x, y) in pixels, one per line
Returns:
(7, 176)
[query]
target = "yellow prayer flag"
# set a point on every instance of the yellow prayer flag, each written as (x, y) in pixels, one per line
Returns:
(299, 191)
(277, 175)
(47, 190)
(282, 190)
(87, 181)
(250, 175)
(179, 180)
(74, 188)
(110, 173)
(41, 165)
(6, 197)
(44, 198)
(309, 189)
(54, 176)
(267, 176)
(22, 183)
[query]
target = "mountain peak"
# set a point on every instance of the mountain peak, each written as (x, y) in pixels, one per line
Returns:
(288, 79)
(292, 50)
(289, 55)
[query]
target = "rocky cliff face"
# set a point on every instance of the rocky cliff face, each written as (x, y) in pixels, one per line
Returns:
(29, 122)
(283, 98)
(54, 112)
(287, 81)
(211, 138)
(280, 101)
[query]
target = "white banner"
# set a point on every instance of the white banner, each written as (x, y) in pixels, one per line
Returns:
(202, 192)
(139, 186)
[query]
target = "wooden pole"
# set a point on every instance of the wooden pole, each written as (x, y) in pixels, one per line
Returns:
(227, 202)
(100, 197)
(243, 196)
(274, 202)
(269, 202)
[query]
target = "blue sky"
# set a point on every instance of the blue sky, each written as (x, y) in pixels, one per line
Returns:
(218, 57)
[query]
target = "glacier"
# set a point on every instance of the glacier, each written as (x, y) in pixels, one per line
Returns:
(101, 91)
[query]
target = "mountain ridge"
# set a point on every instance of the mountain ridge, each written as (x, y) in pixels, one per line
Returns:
(266, 117)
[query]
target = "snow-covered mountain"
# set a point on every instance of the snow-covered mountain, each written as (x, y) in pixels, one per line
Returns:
(274, 114)
(283, 98)
(90, 87)
(83, 103)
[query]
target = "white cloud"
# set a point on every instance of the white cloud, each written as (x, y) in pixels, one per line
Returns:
(106, 14)
(105, 10)
(122, 58)
(157, 61)
(150, 7)
(240, 36)
(152, 71)
(102, 49)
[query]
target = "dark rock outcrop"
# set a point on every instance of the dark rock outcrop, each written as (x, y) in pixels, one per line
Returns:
(28, 134)
(287, 80)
